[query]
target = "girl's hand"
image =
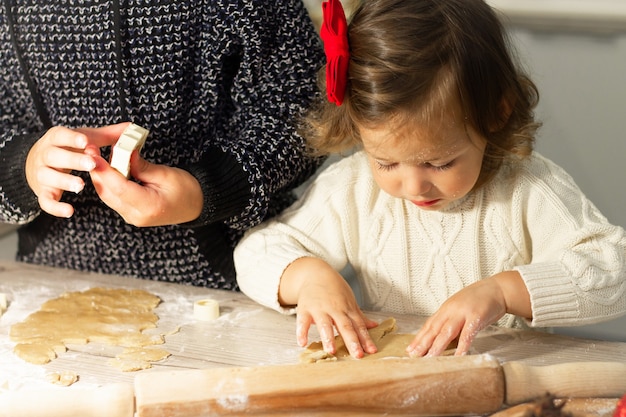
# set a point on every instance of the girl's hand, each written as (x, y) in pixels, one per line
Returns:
(163, 196)
(54, 156)
(469, 311)
(325, 299)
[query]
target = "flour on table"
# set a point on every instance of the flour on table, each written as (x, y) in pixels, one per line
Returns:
(115, 317)
(389, 343)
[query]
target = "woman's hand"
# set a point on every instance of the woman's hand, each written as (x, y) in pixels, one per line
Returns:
(55, 155)
(469, 311)
(324, 298)
(163, 196)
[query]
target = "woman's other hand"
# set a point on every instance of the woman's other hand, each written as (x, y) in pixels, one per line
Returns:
(51, 160)
(162, 196)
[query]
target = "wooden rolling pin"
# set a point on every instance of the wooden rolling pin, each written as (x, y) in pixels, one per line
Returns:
(437, 386)
(579, 407)
(576, 379)
(418, 387)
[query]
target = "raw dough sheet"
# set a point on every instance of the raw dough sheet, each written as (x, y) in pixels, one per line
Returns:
(113, 316)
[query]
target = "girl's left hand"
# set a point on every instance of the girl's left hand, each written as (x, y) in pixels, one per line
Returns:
(164, 195)
(469, 311)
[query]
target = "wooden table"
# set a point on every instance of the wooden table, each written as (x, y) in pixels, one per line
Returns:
(246, 334)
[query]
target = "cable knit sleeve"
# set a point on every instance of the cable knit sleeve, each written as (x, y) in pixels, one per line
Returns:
(319, 224)
(272, 60)
(577, 274)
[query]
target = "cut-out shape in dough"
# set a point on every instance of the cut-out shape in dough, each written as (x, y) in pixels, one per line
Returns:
(389, 343)
(112, 316)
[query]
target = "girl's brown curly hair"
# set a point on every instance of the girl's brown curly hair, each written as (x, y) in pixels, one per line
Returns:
(407, 55)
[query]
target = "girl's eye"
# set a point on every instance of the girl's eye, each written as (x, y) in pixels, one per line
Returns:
(385, 167)
(441, 167)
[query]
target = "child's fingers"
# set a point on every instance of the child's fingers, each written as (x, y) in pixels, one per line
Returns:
(443, 340)
(370, 324)
(362, 325)
(303, 324)
(324, 326)
(352, 333)
(468, 334)
(463, 347)
(423, 340)
(327, 334)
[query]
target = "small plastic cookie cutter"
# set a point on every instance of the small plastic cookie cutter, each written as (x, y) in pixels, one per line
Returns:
(206, 309)
(133, 138)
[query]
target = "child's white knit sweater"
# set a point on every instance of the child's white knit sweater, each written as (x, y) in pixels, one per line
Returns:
(531, 218)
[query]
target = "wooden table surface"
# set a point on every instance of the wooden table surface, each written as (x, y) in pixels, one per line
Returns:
(245, 334)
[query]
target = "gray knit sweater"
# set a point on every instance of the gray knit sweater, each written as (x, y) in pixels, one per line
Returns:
(219, 84)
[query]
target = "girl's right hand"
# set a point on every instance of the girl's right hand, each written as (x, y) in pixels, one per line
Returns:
(324, 298)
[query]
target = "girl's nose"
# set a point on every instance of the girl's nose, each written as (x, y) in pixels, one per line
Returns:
(416, 182)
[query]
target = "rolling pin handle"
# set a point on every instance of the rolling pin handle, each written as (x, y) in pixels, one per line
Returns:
(575, 379)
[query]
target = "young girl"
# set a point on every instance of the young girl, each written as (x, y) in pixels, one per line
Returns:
(445, 210)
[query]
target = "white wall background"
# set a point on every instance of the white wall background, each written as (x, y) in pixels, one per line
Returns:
(581, 74)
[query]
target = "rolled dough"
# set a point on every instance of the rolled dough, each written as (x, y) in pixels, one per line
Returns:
(389, 343)
(112, 316)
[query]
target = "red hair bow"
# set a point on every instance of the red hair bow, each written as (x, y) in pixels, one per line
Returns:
(620, 410)
(334, 33)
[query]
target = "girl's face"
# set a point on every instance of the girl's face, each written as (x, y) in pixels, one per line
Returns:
(431, 165)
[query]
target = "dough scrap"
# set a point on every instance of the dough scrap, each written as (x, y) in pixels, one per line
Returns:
(112, 316)
(389, 343)
(63, 378)
(136, 359)
(146, 354)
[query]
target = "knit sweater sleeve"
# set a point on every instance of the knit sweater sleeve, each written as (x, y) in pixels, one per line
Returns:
(258, 156)
(18, 203)
(321, 224)
(577, 271)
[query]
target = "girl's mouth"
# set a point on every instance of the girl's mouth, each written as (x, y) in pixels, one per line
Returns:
(425, 203)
